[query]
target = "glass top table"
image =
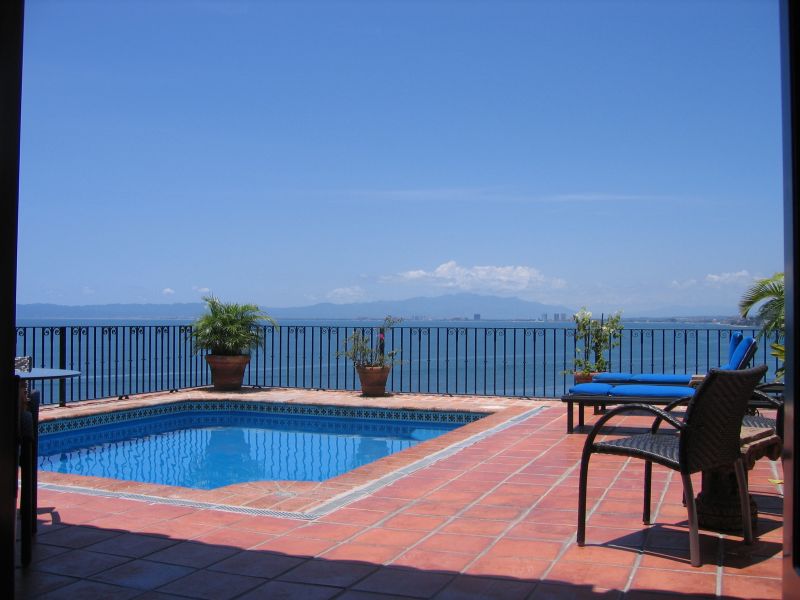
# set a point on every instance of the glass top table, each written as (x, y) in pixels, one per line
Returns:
(43, 374)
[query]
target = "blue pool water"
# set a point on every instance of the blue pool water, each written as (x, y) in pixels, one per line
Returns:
(206, 450)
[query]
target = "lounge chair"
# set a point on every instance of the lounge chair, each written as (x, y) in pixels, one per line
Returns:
(740, 352)
(645, 391)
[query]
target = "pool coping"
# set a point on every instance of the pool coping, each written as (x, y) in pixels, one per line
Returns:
(292, 499)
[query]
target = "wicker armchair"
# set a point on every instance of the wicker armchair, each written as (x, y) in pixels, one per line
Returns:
(707, 437)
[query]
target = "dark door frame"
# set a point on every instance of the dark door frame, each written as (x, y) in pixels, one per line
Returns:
(11, 17)
(790, 59)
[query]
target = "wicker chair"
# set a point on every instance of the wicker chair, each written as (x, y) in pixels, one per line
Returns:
(707, 437)
(28, 458)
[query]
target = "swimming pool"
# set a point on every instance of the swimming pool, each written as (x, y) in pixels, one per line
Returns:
(206, 445)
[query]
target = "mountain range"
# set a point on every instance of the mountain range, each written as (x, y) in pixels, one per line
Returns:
(450, 306)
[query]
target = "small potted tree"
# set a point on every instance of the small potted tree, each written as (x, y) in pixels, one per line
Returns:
(228, 331)
(368, 353)
(594, 339)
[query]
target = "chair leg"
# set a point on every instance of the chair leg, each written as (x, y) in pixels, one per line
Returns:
(648, 477)
(744, 500)
(569, 417)
(584, 475)
(694, 535)
(25, 501)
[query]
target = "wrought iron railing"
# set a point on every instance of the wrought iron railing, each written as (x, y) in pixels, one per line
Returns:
(123, 360)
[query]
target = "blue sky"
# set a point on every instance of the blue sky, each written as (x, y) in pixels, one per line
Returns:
(610, 154)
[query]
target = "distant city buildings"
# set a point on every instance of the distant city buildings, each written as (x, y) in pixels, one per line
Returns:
(556, 317)
(476, 317)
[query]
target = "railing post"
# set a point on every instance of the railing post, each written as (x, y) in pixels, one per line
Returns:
(62, 364)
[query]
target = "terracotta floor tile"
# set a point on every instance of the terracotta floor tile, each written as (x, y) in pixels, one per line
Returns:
(518, 567)
(595, 574)
(678, 560)
(528, 548)
(328, 572)
(192, 554)
(445, 542)
(542, 531)
(370, 553)
(475, 526)
(235, 538)
(212, 585)
(755, 588)
(389, 537)
(433, 561)
(132, 544)
(414, 522)
(556, 591)
(267, 524)
(257, 564)
(76, 536)
(354, 516)
(300, 547)
(467, 587)
(87, 590)
(285, 590)
(434, 508)
(78, 563)
(417, 584)
(327, 531)
(686, 583)
(507, 513)
(29, 584)
(600, 554)
(142, 574)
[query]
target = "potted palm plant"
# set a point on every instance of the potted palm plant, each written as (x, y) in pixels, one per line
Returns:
(769, 295)
(594, 339)
(368, 353)
(228, 331)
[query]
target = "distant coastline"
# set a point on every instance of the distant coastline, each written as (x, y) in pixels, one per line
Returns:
(453, 308)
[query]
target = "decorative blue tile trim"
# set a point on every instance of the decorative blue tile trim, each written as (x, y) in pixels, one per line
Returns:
(188, 406)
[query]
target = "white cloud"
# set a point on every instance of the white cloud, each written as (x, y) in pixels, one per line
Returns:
(168, 291)
(346, 294)
(729, 278)
(202, 290)
(511, 278)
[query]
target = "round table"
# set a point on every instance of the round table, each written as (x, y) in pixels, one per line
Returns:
(36, 374)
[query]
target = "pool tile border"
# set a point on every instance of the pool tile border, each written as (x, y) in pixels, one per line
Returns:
(188, 406)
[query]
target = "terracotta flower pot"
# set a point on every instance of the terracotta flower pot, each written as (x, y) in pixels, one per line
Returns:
(373, 380)
(227, 372)
(584, 377)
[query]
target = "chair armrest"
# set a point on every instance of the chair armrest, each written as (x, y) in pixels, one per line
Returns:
(660, 414)
(772, 387)
(767, 399)
(668, 408)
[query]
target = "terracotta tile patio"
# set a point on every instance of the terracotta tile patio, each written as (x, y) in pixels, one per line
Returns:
(496, 519)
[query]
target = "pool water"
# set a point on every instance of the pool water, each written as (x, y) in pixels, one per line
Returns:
(206, 450)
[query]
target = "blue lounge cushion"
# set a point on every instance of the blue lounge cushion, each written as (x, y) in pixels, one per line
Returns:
(739, 354)
(662, 378)
(652, 391)
(612, 378)
(736, 339)
(591, 389)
